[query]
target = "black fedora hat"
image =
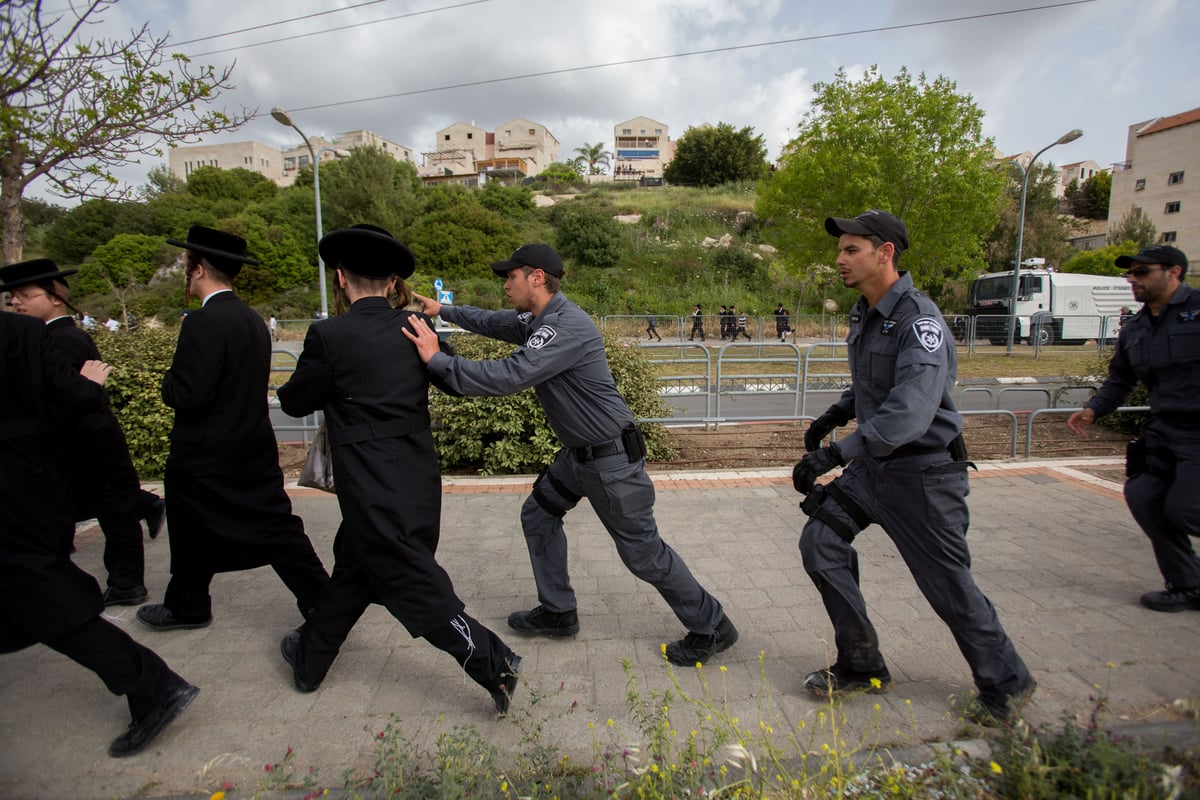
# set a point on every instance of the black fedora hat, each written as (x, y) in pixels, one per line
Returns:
(367, 250)
(218, 244)
(36, 270)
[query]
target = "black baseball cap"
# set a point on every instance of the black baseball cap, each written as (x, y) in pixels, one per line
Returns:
(538, 256)
(871, 223)
(1158, 254)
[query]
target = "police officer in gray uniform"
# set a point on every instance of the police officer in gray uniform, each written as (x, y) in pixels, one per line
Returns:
(1160, 347)
(907, 471)
(562, 356)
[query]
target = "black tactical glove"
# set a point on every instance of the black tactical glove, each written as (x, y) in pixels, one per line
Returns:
(835, 417)
(814, 465)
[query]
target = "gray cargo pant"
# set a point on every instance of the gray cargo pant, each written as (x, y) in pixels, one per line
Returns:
(622, 495)
(920, 502)
(1165, 502)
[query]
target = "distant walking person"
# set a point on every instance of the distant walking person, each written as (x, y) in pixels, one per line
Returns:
(273, 327)
(906, 470)
(651, 326)
(226, 507)
(697, 324)
(561, 355)
(374, 389)
(1159, 347)
(101, 481)
(44, 597)
(741, 326)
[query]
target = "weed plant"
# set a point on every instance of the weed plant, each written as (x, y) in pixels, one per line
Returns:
(683, 743)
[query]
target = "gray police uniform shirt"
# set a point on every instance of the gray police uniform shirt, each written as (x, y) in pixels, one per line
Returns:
(562, 357)
(1162, 354)
(903, 367)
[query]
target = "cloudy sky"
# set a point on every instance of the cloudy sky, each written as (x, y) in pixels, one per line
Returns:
(405, 68)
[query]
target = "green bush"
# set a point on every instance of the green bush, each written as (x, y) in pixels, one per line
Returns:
(499, 435)
(588, 234)
(139, 359)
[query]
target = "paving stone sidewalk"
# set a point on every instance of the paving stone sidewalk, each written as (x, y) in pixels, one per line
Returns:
(1054, 548)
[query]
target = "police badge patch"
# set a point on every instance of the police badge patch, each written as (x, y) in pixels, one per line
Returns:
(929, 333)
(541, 337)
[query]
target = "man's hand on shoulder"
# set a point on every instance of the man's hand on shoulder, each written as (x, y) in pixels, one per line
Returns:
(423, 336)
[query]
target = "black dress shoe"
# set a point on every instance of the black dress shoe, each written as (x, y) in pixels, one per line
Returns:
(154, 517)
(160, 618)
(289, 648)
(142, 731)
(696, 648)
(133, 596)
(545, 623)
(502, 694)
(833, 681)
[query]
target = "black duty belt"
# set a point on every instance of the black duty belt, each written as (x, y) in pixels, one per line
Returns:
(912, 450)
(593, 451)
(1180, 419)
(365, 431)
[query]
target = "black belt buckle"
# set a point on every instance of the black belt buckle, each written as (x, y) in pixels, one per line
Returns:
(590, 452)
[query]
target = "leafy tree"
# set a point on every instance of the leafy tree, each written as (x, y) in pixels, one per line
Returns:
(558, 175)
(587, 234)
(1100, 261)
(160, 181)
(73, 109)
(239, 183)
(1134, 227)
(458, 243)
(369, 186)
(81, 230)
(913, 148)
(1090, 200)
(1045, 233)
(708, 156)
(510, 202)
(593, 157)
(122, 264)
(283, 263)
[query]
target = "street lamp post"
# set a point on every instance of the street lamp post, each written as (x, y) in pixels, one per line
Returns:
(1069, 136)
(282, 117)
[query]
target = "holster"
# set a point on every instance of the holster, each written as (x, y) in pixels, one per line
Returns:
(634, 443)
(1135, 457)
(958, 451)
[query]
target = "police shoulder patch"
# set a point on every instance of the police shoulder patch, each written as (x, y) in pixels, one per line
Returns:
(929, 333)
(541, 337)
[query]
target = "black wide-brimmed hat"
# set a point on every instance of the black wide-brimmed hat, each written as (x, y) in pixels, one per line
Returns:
(367, 250)
(36, 270)
(223, 246)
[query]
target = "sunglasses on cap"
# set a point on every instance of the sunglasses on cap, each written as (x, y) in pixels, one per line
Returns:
(1144, 270)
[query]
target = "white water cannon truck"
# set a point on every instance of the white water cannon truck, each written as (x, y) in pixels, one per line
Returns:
(1052, 307)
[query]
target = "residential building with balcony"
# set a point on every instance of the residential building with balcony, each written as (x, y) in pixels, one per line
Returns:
(468, 154)
(1160, 155)
(1079, 172)
(642, 147)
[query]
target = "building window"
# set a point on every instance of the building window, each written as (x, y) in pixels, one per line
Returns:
(1172, 207)
(289, 163)
(304, 161)
(533, 131)
(1139, 184)
(1168, 236)
(446, 138)
(470, 136)
(1174, 178)
(658, 131)
(626, 131)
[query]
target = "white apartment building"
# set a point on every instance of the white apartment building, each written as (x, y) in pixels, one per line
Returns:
(516, 149)
(642, 148)
(1160, 153)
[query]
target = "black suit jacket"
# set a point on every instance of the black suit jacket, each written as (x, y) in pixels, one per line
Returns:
(97, 463)
(374, 389)
(42, 594)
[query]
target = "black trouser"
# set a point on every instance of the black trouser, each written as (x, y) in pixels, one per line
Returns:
(126, 667)
(479, 651)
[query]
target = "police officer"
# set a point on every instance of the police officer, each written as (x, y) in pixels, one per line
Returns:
(562, 356)
(374, 390)
(1159, 346)
(907, 471)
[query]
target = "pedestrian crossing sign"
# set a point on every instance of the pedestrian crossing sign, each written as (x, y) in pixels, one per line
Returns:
(446, 297)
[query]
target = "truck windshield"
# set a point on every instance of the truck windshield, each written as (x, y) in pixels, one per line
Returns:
(999, 287)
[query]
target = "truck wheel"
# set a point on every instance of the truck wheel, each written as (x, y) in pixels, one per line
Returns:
(1045, 335)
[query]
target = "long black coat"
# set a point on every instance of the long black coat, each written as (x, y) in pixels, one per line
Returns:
(374, 389)
(42, 594)
(226, 506)
(99, 471)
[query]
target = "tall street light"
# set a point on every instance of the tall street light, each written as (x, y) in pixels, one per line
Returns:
(1069, 136)
(281, 116)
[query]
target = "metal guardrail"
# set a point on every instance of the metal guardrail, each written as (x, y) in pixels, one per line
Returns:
(1035, 414)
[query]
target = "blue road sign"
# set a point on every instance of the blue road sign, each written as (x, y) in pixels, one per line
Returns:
(446, 297)
(437, 284)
